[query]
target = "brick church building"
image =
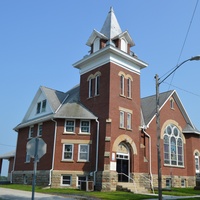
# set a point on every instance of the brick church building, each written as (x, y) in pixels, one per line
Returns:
(102, 130)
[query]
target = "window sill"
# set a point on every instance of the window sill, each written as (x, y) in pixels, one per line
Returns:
(129, 129)
(121, 95)
(83, 133)
(130, 98)
(82, 161)
(123, 128)
(69, 133)
(72, 161)
(175, 166)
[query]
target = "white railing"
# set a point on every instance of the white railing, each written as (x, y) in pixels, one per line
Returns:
(129, 180)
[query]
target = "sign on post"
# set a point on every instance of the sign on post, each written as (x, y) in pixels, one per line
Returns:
(31, 148)
(35, 148)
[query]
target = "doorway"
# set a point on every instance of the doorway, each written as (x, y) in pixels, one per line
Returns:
(123, 163)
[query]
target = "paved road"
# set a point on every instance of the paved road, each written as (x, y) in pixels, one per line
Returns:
(10, 194)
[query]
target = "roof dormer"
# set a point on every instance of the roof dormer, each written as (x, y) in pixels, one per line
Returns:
(110, 34)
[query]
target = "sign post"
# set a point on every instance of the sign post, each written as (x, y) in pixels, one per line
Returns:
(35, 148)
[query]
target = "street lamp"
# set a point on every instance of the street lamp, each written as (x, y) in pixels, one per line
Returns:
(158, 82)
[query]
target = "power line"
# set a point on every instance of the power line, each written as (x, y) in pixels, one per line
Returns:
(7, 145)
(197, 95)
(186, 36)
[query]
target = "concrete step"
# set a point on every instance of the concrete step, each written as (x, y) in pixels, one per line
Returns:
(131, 188)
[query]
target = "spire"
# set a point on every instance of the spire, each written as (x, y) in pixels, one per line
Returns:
(111, 26)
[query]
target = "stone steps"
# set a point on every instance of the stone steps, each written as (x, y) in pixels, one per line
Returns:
(130, 187)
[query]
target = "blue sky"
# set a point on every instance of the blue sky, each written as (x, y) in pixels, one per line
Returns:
(40, 41)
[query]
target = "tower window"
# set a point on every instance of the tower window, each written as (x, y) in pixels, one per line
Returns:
(129, 87)
(96, 45)
(90, 87)
(121, 119)
(123, 45)
(97, 85)
(122, 84)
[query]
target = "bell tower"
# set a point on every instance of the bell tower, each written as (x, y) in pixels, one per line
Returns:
(110, 88)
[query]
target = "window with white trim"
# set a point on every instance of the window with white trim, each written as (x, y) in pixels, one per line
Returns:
(129, 84)
(121, 125)
(97, 85)
(39, 132)
(70, 126)
(123, 45)
(85, 126)
(172, 103)
(122, 85)
(129, 119)
(168, 182)
(66, 180)
(173, 146)
(83, 152)
(41, 106)
(96, 45)
(68, 150)
(183, 182)
(80, 179)
(197, 166)
(31, 132)
(90, 88)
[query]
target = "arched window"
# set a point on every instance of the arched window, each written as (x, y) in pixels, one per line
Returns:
(129, 87)
(96, 45)
(90, 87)
(123, 45)
(173, 146)
(197, 162)
(122, 84)
(97, 85)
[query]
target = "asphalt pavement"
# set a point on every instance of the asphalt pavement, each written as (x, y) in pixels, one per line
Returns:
(10, 194)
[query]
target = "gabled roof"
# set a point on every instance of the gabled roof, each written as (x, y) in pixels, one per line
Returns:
(64, 105)
(148, 105)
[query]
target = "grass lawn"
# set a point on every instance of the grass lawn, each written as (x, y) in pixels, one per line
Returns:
(106, 195)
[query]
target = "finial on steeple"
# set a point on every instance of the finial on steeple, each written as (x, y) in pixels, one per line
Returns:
(111, 9)
(111, 27)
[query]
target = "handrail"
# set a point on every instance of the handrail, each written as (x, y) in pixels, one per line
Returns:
(129, 179)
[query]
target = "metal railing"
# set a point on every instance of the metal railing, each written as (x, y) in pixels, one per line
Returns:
(129, 180)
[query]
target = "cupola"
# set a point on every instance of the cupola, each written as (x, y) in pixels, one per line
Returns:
(110, 34)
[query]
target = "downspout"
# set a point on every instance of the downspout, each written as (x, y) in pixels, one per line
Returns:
(97, 151)
(11, 173)
(53, 157)
(150, 168)
(54, 145)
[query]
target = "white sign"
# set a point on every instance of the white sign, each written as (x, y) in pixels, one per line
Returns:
(36, 147)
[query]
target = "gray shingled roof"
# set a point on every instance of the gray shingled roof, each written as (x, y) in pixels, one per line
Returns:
(148, 105)
(72, 107)
(54, 97)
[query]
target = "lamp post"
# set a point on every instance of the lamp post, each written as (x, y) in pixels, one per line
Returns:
(158, 82)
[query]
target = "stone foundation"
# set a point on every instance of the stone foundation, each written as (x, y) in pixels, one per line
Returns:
(26, 177)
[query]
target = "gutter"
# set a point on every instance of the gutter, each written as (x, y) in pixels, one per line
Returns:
(53, 157)
(97, 151)
(150, 162)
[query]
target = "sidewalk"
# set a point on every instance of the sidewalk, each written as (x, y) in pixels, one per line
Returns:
(168, 197)
(12, 194)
